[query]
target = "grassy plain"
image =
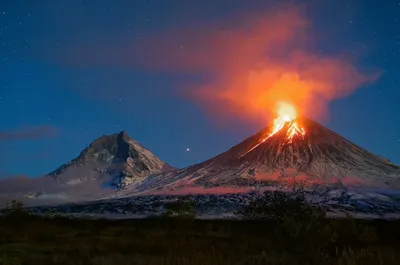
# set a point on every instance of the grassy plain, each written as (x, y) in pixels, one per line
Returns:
(26, 239)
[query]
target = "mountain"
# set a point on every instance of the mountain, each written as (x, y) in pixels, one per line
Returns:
(301, 150)
(117, 157)
(105, 179)
(106, 166)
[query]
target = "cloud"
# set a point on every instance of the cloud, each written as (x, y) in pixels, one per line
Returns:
(244, 67)
(28, 133)
(16, 187)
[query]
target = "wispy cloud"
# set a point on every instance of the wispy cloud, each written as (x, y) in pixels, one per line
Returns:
(29, 133)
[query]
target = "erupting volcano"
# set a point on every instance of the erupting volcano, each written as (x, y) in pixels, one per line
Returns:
(292, 148)
(286, 119)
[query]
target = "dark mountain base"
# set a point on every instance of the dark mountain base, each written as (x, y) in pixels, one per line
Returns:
(337, 201)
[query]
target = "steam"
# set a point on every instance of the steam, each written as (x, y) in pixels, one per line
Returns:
(246, 69)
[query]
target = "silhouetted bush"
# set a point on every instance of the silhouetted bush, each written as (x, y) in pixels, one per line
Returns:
(181, 208)
(52, 213)
(356, 232)
(299, 225)
(14, 210)
(279, 205)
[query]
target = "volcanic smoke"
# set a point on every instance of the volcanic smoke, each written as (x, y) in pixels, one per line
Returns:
(249, 66)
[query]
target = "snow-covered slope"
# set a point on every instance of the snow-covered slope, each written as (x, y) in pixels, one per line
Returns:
(319, 157)
(337, 201)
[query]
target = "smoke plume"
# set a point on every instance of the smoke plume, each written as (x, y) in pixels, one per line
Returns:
(250, 66)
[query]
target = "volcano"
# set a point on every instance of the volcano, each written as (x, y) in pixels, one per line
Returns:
(285, 151)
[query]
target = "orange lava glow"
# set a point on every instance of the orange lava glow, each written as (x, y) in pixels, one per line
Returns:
(287, 114)
(286, 117)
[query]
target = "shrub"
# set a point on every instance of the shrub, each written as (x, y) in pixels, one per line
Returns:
(180, 208)
(15, 211)
(52, 213)
(300, 226)
(351, 230)
(16, 207)
(279, 205)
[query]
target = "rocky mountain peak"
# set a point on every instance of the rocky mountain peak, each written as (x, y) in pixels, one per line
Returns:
(110, 148)
(124, 135)
(117, 155)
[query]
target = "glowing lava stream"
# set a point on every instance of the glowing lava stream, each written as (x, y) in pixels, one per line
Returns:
(286, 115)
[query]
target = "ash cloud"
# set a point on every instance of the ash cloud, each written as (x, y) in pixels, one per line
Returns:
(38, 132)
(242, 66)
(264, 58)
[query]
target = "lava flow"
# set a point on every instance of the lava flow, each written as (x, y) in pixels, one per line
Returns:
(287, 115)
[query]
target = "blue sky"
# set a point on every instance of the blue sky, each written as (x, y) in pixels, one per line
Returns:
(68, 74)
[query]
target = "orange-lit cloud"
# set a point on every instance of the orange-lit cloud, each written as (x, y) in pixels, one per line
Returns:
(250, 66)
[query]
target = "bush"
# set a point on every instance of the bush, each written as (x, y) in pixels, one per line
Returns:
(280, 205)
(16, 208)
(300, 226)
(180, 209)
(356, 232)
(52, 213)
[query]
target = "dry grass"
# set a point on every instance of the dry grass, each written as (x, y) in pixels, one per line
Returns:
(33, 240)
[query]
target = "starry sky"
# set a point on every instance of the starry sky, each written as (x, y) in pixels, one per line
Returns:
(73, 70)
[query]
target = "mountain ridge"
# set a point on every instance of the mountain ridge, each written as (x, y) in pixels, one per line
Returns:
(116, 166)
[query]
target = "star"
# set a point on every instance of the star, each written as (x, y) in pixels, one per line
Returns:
(188, 149)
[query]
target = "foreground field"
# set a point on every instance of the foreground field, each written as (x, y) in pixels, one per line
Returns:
(160, 241)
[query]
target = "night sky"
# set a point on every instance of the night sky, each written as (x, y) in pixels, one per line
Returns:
(71, 71)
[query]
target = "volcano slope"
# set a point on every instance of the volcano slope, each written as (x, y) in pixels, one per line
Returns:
(309, 153)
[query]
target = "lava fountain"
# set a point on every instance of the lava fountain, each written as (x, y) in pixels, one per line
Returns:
(286, 118)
